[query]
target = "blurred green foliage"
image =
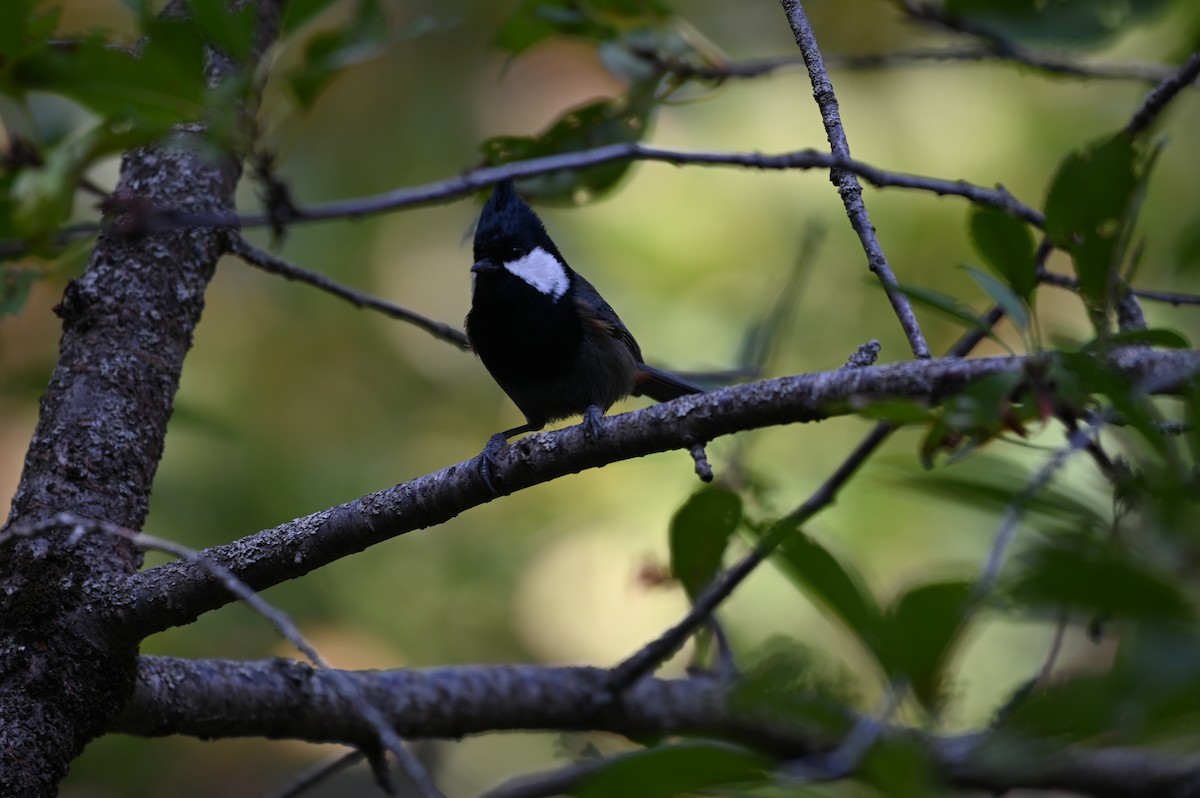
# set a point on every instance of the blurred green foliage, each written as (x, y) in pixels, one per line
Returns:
(292, 402)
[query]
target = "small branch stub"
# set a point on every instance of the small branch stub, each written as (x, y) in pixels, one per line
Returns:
(703, 467)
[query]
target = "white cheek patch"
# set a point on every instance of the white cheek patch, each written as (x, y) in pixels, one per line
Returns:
(542, 271)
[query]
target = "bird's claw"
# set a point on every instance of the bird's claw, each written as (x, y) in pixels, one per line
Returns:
(593, 423)
(487, 459)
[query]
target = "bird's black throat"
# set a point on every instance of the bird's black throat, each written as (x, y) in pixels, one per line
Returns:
(521, 334)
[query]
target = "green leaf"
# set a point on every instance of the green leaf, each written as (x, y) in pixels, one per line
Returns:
(1012, 305)
(990, 483)
(1084, 373)
(1006, 245)
(919, 636)
(1191, 398)
(947, 306)
(673, 770)
(1187, 246)
(364, 37)
(896, 411)
(1090, 211)
(598, 20)
(1073, 22)
(983, 410)
(329, 53)
(535, 20)
(299, 12)
(797, 684)
(14, 289)
(700, 532)
(43, 195)
(162, 86)
(1168, 339)
(626, 64)
(1152, 688)
(1072, 710)
(593, 125)
(22, 27)
(834, 586)
(899, 767)
(228, 30)
(1081, 572)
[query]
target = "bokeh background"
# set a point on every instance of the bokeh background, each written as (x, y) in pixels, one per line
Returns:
(293, 401)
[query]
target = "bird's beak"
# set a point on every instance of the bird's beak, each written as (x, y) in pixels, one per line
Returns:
(485, 265)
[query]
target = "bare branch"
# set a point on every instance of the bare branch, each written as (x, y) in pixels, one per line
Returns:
(1169, 297)
(280, 699)
(846, 758)
(1162, 95)
(317, 774)
(471, 181)
(177, 593)
(274, 265)
(847, 184)
(475, 180)
(981, 53)
(1077, 440)
(659, 650)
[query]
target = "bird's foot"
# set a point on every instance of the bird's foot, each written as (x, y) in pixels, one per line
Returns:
(593, 423)
(487, 458)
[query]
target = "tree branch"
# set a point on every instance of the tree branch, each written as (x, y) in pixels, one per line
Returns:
(179, 592)
(280, 699)
(980, 53)
(1162, 95)
(472, 181)
(847, 184)
(274, 265)
(1169, 297)
(127, 326)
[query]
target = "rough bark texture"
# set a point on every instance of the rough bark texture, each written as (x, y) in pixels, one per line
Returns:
(66, 666)
(127, 325)
(289, 700)
(180, 591)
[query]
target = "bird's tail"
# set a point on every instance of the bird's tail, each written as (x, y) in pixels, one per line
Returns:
(660, 385)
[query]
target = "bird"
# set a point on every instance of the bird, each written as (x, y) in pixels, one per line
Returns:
(544, 333)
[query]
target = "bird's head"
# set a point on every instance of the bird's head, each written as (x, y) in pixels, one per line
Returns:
(511, 241)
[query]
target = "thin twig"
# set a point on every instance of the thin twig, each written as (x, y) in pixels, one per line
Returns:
(659, 650)
(472, 181)
(62, 237)
(1077, 440)
(270, 263)
(846, 182)
(1045, 669)
(1169, 297)
(978, 53)
(703, 468)
(663, 647)
(1162, 95)
(845, 759)
(316, 774)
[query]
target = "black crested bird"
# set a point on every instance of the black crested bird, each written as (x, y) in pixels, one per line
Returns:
(544, 333)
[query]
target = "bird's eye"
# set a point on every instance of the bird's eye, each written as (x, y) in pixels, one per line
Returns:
(514, 254)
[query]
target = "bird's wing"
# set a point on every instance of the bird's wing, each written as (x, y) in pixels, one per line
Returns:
(598, 313)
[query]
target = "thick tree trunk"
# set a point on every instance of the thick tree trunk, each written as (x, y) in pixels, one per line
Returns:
(127, 325)
(66, 668)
